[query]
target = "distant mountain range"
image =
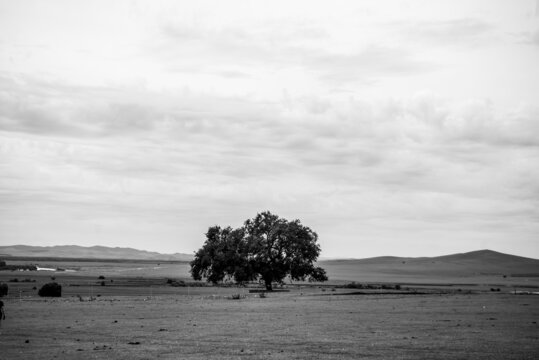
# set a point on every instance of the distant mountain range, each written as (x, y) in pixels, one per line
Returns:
(93, 252)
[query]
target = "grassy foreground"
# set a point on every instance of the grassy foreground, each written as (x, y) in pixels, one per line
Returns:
(295, 325)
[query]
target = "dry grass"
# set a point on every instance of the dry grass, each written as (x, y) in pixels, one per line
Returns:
(281, 326)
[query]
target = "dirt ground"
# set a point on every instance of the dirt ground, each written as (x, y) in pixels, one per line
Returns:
(295, 325)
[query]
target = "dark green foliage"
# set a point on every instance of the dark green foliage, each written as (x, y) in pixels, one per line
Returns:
(266, 248)
(3, 289)
(51, 290)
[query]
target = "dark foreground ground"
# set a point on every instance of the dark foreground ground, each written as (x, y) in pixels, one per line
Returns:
(299, 324)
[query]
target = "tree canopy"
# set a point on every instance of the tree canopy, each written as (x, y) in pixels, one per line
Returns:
(266, 248)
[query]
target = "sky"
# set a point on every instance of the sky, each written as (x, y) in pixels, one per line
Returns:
(405, 128)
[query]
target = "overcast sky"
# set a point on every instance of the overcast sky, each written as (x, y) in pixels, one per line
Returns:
(407, 128)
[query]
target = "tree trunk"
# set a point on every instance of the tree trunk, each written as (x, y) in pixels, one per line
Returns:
(268, 284)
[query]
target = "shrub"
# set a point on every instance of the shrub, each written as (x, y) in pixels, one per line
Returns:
(262, 295)
(3, 289)
(102, 283)
(51, 290)
(354, 285)
(397, 287)
(101, 277)
(176, 283)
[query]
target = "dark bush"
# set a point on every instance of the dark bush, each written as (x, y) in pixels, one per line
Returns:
(13, 267)
(102, 283)
(3, 289)
(51, 290)
(354, 285)
(176, 283)
(101, 277)
(13, 280)
(196, 284)
(397, 287)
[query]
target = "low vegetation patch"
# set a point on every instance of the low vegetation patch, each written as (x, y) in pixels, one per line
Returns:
(18, 267)
(236, 297)
(176, 283)
(354, 285)
(52, 289)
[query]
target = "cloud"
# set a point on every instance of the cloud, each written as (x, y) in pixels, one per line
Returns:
(367, 65)
(419, 162)
(532, 37)
(194, 116)
(461, 31)
(282, 48)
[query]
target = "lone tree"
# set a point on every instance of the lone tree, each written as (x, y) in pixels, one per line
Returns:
(266, 248)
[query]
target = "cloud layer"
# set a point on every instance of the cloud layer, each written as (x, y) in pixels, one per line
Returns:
(370, 126)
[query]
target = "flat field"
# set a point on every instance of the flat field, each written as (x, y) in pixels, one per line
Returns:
(133, 313)
(314, 324)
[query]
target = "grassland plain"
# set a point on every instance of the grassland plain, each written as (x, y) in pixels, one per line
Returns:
(296, 325)
(130, 311)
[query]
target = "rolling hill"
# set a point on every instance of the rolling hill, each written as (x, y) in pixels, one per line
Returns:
(93, 252)
(456, 267)
(476, 266)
